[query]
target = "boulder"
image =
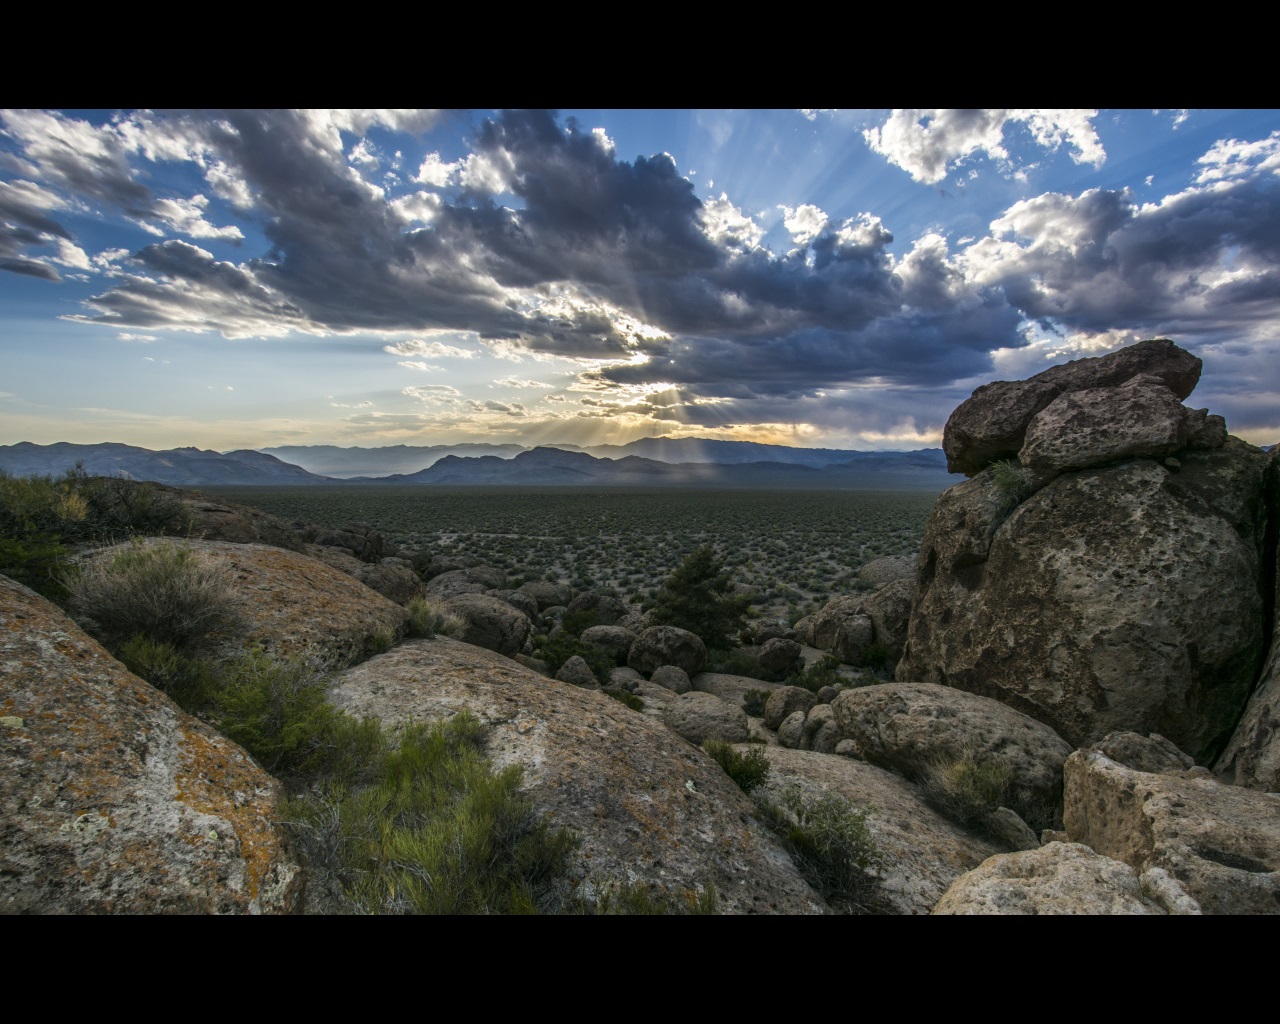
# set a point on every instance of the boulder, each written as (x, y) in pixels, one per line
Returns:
(361, 539)
(1112, 599)
(780, 656)
(1219, 843)
(699, 717)
(577, 672)
(491, 622)
(547, 594)
(615, 641)
(649, 807)
(730, 687)
(455, 582)
(1058, 879)
(521, 602)
(921, 852)
(394, 582)
(887, 569)
(912, 727)
(607, 608)
(112, 799)
(672, 677)
(992, 423)
(667, 645)
(785, 701)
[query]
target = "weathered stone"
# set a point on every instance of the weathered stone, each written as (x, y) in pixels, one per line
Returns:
(1058, 879)
(992, 423)
(491, 622)
(780, 656)
(921, 852)
(889, 608)
(1107, 600)
(784, 701)
(615, 641)
(730, 687)
(912, 727)
(672, 677)
(1151, 753)
(791, 731)
(114, 801)
(667, 645)
(608, 609)
(394, 582)
(853, 638)
(455, 582)
(336, 558)
(1006, 827)
(547, 594)
(521, 602)
(1221, 843)
(821, 732)
(649, 807)
(700, 716)
(577, 672)
(826, 622)
(887, 569)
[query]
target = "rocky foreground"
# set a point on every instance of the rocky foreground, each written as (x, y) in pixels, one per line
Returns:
(1091, 617)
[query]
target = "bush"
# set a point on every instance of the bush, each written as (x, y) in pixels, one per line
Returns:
(1012, 485)
(749, 771)
(425, 620)
(438, 831)
(625, 697)
(190, 681)
(754, 701)
(966, 790)
(634, 898)
(698, 597)
(164, 592)
(823, 672)
(831, 844)
(557, 648)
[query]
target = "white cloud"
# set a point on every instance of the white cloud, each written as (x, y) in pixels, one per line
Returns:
(416, 364)
(811, 114)
(431, 392)
(362, 154)
(516, 382)
(70, 255)
(728, 226)
(187, 217)
(144, 338)
(430, 349)
(434, 171)
(420, 207)
(1231, 158)
(108, 257)
(805, 222)
(491, 172)
(927, 143)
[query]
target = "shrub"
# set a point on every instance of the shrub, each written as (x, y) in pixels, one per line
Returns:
(437, 832)
(823, 672)
(190, 681)
(831, 845)
(1012, 485)
(625, 697)
(557, 648)
(698, 597)
(634, 898)
(753, 702)
(426, 620)
(749, 770)
(967, 790)
(164, 592)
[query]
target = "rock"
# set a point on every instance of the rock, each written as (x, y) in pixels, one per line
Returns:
(785, 701)
(1151, 753)
(1007, 828)
(922, 853)
(454, 583)
(361, 539)
(730, 687)
(522, 603)
(757, 633)
(821, 732)
(1220, 843)
(293, 605)
(577, 672)
(394, 582)
(649, 807)
(1111, 599)
(1097, 426)
(791, 731)
(826, 622)
(853, 638)
(1058, 879)
(911, 727)
(625, 677)
(1252, 756)
(780, 657)
(608, 609)
(667, 645)
(887, 569)
(615, 641)
(672, 677)
(804, 631)
(491, 622)
(336, 558)
(547, 594)
(992, 423)
(699, 717)
(113, 800)
(212, 519)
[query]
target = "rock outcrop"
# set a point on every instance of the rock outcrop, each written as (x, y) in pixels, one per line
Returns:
(667, 645)
(650, 807)
(491, 622)
(114, 801)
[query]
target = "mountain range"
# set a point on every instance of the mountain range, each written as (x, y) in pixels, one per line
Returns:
(667, 462)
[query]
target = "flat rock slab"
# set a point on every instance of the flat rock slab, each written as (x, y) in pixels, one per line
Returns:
(650, 807)
(113, 800)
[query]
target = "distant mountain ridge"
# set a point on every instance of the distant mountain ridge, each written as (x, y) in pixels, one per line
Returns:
(776, 466)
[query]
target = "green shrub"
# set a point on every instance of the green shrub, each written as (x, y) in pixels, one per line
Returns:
(625, 697)
(823, 672)
(38, 561)
(637, 899)
(753, 702)
(1012, 485)
(966, 790)
(190, 681)
(164, 592)
(557, 648)
(380, 641)
(749, 770)
(437, 832)
(877, 657)
(831, 845)
(426, 620)
(735, 662)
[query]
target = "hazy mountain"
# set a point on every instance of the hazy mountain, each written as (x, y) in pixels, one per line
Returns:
(341, 463)
(699, 449)
(181, 467)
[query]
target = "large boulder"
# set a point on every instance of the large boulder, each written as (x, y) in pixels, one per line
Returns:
(1123, 597)
(1058, 879)
(394, 582)
(491, 622)
(649, 807)
(293, 605)
(849, 625)
(667, 645)
(1220, 843)
(992, 423)
(699, 716)
(914, 727)
(547, 594)
(113, 800)
(921, 853)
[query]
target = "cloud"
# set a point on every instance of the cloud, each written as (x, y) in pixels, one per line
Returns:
(805, 222)
(434, 171)
(415, 364)
(129, 336)
(186, 216)
(431, 392)
(430, 349)
(927, 144)
(516, 382)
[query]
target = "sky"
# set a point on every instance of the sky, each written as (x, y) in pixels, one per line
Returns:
(819, 278)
